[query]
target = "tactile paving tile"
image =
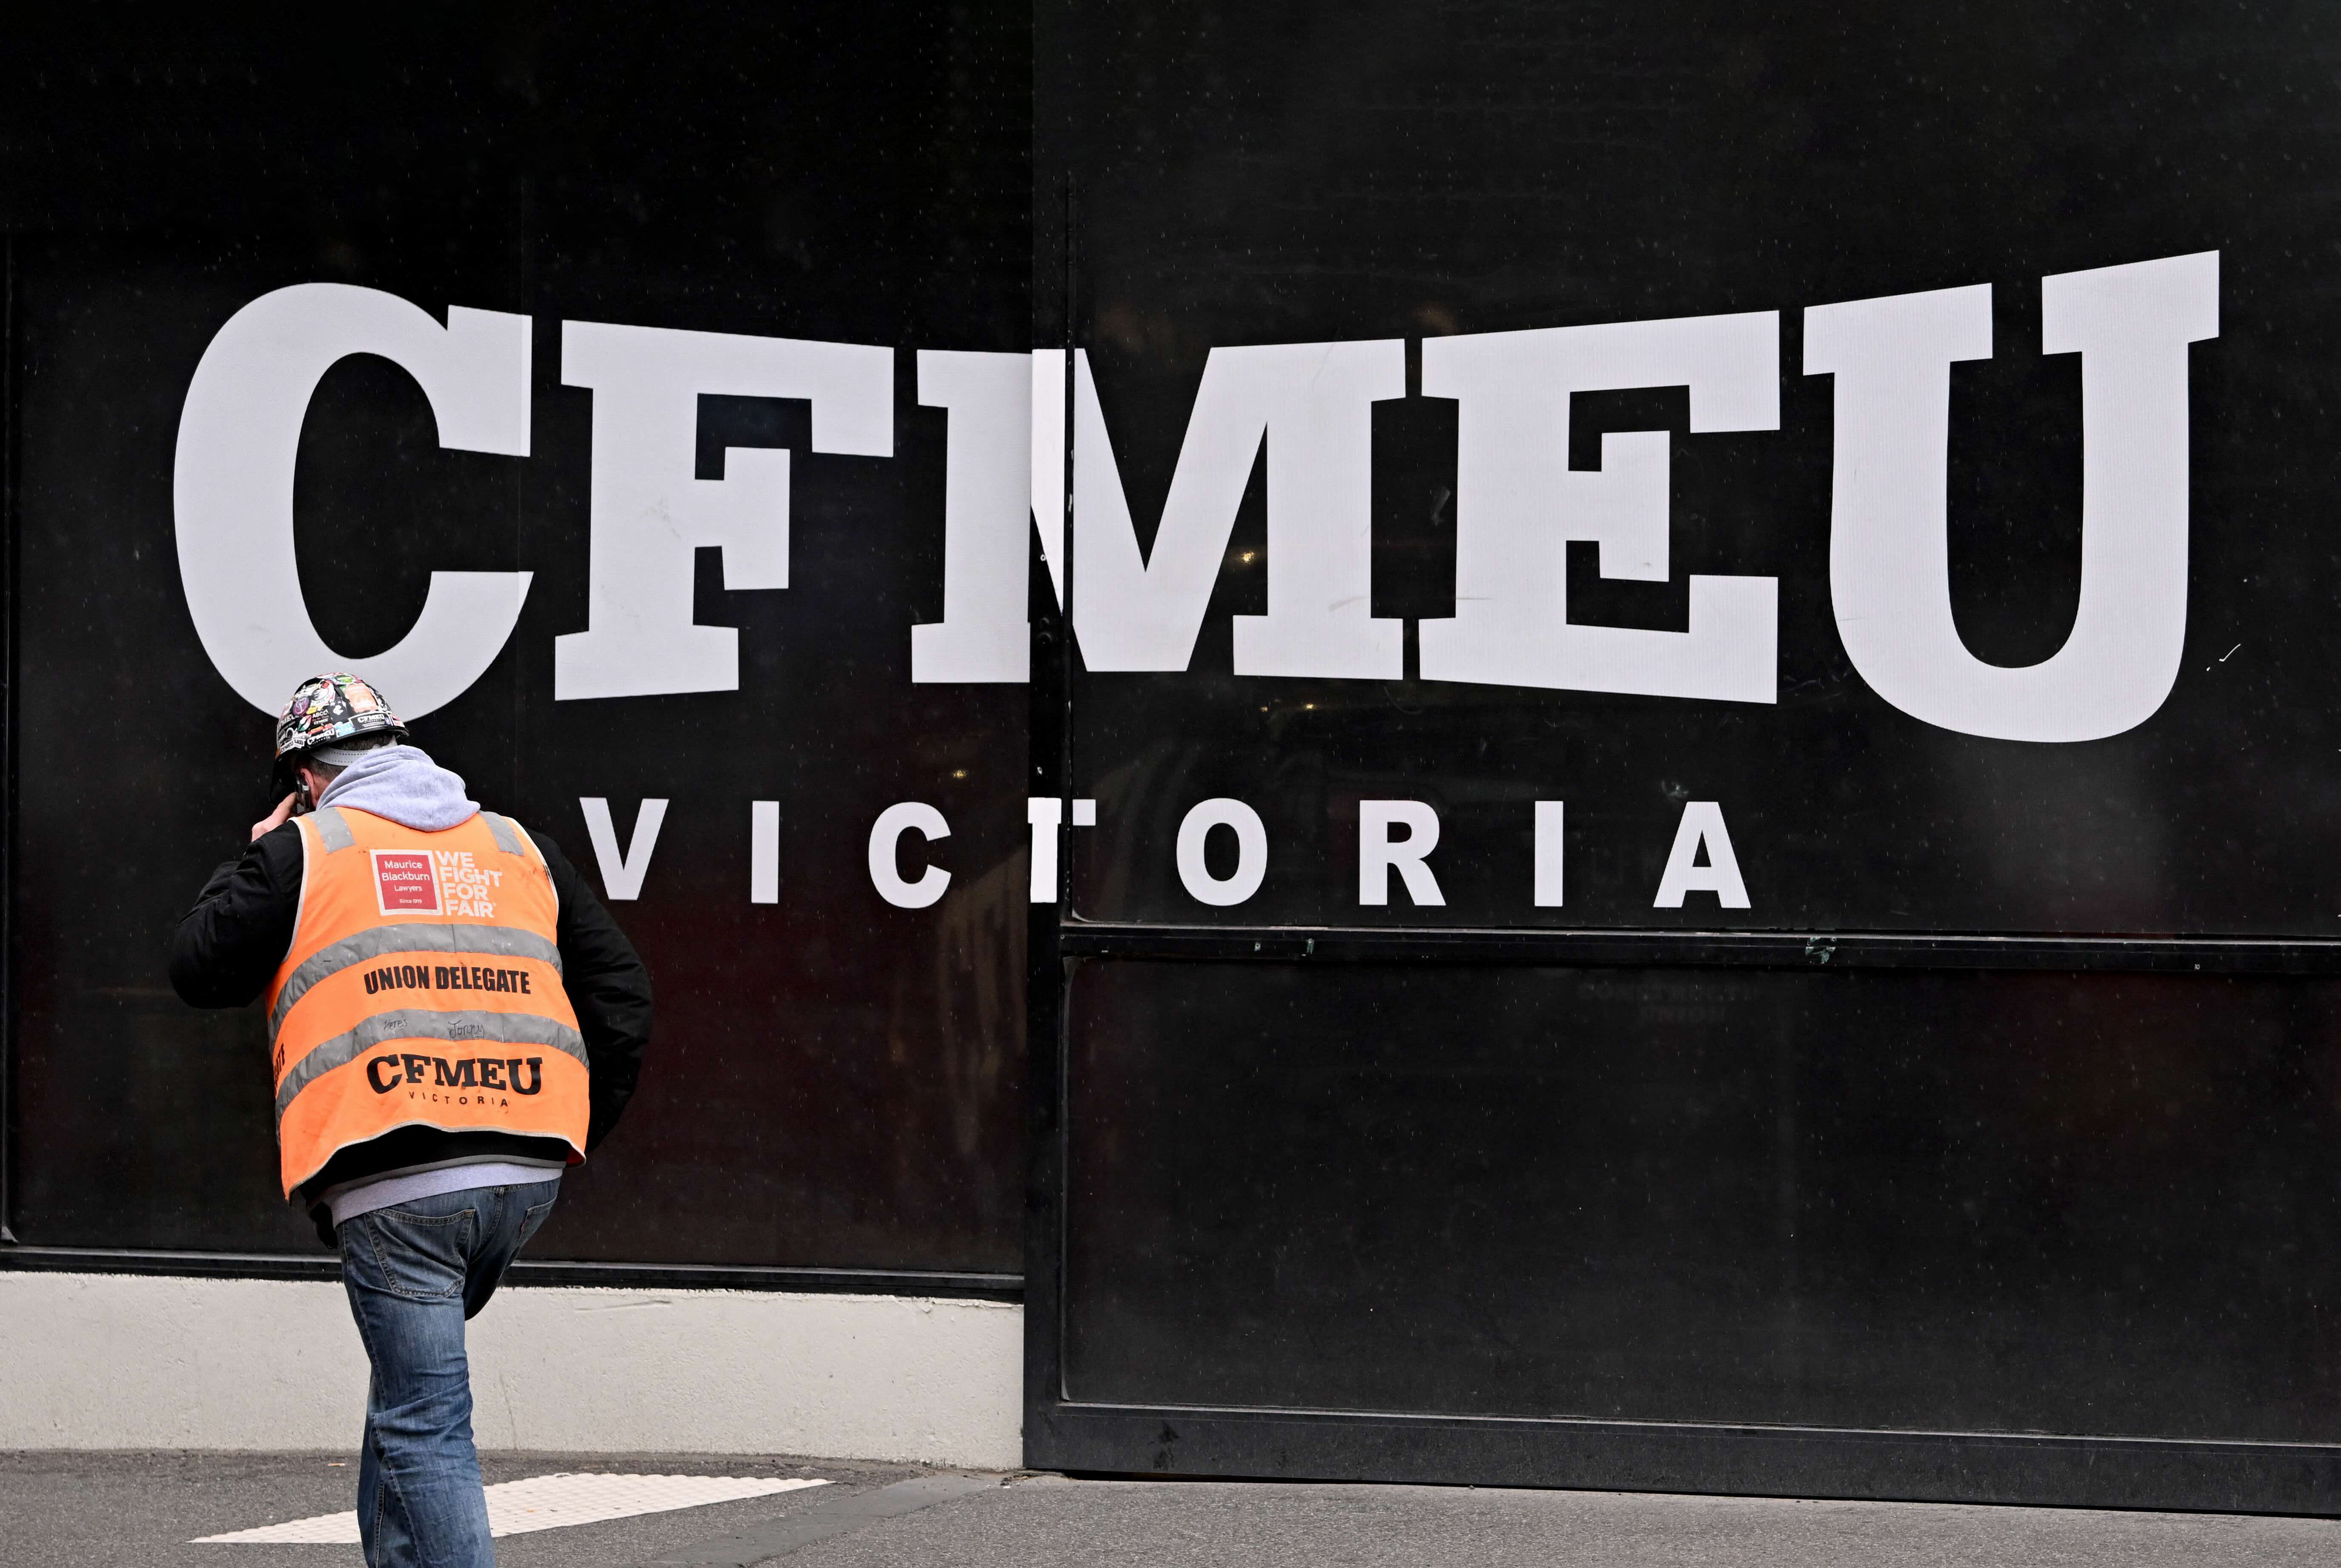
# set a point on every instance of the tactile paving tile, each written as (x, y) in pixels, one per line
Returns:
(547, 1503)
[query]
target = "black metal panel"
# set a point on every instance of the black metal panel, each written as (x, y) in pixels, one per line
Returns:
(1404, 171)
(836, 1082)
(2082, 1204)
(2005, 1108)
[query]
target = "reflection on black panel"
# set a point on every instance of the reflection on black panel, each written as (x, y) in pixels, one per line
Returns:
(1324, 172)
(833, 1082)
(1986, 1202)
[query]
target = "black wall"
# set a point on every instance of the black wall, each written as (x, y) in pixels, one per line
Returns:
(835, 1083)
(1613, 1194)
(2007, 1108)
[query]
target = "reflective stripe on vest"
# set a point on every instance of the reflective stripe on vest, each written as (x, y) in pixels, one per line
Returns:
(422, 988)
(496, 941)
(503, 1028)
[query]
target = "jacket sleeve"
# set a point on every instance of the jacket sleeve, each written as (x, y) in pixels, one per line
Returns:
(225, 949)
(608, 987)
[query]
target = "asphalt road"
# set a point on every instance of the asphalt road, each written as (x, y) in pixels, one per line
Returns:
(77, 1509)
(112, 1510)
(1049, 1522)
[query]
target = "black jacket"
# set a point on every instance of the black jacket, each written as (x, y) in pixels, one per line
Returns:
(227, 948)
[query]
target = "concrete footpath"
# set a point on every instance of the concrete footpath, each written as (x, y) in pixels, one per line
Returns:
(87, 1510)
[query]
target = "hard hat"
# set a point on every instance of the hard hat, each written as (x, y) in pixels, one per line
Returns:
(329, 708)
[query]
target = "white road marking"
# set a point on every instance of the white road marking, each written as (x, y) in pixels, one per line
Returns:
(548, 1502)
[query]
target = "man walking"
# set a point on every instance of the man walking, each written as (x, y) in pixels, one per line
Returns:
(455, 1018)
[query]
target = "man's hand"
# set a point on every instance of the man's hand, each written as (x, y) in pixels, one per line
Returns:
(274, 819)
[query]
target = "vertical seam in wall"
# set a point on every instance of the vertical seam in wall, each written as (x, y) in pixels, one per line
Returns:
(8, 551)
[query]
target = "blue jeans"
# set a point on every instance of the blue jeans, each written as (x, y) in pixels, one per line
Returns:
(414, 1273)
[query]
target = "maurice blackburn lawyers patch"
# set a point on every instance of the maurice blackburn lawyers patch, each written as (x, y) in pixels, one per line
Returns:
(433, 882)
(403, 882)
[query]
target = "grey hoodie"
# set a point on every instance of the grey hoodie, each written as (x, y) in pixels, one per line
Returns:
(404, 784)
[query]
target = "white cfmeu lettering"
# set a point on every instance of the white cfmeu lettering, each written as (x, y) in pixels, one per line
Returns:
(1302, 416)
(466, 884)
(232, 486)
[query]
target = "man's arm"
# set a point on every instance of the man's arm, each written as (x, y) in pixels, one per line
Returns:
(227, 947)
(608, 987)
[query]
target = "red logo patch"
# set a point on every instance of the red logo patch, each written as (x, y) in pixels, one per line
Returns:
(403, 881)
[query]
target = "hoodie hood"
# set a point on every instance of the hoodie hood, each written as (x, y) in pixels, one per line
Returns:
(402, 785)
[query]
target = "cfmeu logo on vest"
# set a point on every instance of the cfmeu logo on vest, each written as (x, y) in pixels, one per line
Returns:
(499, 1073)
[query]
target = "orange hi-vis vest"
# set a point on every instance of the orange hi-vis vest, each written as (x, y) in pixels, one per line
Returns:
(422, 988)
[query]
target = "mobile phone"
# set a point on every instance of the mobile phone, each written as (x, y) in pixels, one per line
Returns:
(282, 781)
